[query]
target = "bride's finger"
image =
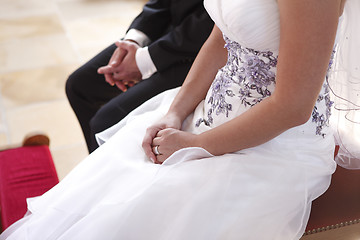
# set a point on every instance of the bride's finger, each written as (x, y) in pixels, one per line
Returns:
(156, 141)
(160, 159)
(148, 142)
(159, 133)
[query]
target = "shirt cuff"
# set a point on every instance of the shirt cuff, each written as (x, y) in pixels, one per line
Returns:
(138, 37)
(144, 62)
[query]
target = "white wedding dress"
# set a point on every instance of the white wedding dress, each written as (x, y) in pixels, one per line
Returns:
(264, 192)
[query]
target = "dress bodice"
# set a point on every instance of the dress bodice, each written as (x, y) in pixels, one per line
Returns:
(252, 23)
(252, 36)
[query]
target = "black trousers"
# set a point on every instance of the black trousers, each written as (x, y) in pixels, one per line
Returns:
(98, 105)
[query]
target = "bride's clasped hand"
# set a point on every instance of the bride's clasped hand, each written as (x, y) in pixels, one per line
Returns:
(167, 138)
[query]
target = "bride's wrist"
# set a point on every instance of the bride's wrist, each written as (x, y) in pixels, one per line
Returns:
(203, 142)
(177, 116)
(210, 144)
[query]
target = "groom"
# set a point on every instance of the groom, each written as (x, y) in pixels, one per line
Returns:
(155, 55)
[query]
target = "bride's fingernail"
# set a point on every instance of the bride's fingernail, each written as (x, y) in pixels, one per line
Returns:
(153, 160)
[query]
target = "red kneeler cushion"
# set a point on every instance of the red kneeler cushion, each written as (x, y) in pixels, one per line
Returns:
(24, 172)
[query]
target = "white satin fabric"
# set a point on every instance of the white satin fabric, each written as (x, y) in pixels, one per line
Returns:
(253, 24)
(263, 192)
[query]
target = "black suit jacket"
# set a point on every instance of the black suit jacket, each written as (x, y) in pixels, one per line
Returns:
(177, 29)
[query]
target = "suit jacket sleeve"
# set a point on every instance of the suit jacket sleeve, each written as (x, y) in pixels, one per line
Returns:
(176, 34)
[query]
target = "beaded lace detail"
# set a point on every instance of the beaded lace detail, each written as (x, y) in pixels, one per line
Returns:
(322, 120)
(254, 72)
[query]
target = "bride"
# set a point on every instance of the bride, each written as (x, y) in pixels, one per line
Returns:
(238, 152)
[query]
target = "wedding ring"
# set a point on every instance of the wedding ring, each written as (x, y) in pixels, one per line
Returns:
(156, 150)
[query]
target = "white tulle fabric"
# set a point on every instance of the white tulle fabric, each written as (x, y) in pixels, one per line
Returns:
(345, 85)
(263, 192)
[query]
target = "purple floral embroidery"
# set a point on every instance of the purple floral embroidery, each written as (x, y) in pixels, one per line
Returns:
(254, 71)
(322, 120)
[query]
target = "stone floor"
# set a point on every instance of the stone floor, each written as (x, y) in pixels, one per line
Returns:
(41, 43)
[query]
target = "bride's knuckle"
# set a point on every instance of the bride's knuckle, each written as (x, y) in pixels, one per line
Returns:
(145, 145)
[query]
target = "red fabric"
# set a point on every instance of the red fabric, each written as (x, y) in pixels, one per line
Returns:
(24, 172)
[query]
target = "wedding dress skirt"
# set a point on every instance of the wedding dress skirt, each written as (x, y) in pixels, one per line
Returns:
(264, 192)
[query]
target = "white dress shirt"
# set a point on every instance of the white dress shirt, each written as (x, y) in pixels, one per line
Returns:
(142, 56)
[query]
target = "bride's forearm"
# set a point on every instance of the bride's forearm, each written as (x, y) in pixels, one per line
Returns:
(258, 125)
(211, 57)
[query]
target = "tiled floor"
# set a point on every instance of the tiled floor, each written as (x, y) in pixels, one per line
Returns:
(41, 42)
